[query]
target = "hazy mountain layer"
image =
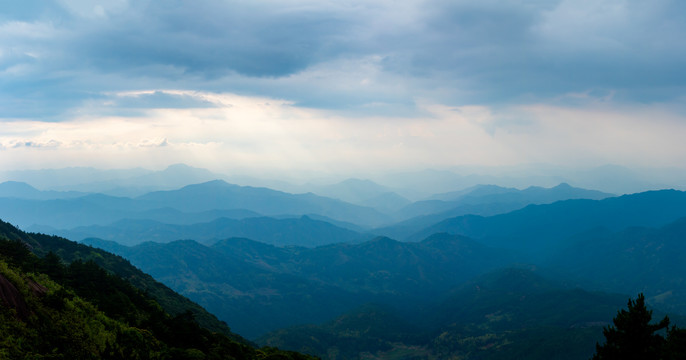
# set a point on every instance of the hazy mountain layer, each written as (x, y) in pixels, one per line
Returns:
(205, 200)
(484, 200)
(542, 229)
(21, 190)
(361, 192)
(221, 195)
(480, 194)
(302, 231)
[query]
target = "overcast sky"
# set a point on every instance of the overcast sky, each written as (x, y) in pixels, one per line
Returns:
(342, 86)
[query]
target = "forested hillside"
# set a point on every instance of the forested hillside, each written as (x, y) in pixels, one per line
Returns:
(259, 287)
(55, 305)
(508, 314)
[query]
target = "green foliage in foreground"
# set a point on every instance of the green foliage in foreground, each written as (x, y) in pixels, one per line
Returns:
(634, 337)
(53, 310)
(70, 251)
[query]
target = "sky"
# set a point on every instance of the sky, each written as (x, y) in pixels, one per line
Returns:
(346, 86)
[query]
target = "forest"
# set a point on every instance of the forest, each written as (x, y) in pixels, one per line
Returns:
(53, 309)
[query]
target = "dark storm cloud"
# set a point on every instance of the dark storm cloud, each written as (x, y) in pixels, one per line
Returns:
(55, 55)
(506, 50)
(212, 38)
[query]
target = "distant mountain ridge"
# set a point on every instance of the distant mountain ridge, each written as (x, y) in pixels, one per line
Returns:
(118, 182)
(218, 194)
(542, 228)
(492, 194)
(483, 200)
(302, 231)
(369, 204)
(214, 196)
(22, 190)
(362, 192)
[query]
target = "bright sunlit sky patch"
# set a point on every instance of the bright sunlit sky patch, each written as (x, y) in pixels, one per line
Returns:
(341, 86)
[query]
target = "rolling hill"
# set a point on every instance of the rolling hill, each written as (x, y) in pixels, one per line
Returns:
(258, 287)
(508, 314)
(632, 260)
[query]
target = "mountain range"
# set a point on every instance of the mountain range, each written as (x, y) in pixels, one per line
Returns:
(541, 229)
(483, 200)
(205, 198)
(302, 231)
(486, 272)
(21, 190)
(281, 287)
(78, 215)
(218, 194)
(276, 287)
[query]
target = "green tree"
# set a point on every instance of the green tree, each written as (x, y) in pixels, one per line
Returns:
(676, 344)
(632, 336)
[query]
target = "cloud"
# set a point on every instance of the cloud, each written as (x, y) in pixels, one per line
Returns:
(253, 134)
(212, 38)
(455, 52)
(146, 143)
(34, 144)
(359, 85)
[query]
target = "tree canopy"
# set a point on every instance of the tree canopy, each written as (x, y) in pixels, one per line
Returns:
(633, 336)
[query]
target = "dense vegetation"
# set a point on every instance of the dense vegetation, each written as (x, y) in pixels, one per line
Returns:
(70, 251)
(633, 337)
(258, 288)
(52, 309)
(634, 260)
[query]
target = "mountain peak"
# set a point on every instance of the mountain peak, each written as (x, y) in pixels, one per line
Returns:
(14, 188)
(383, 241)
(186, 170)
(180, 166)
(217, 183)
(355, 181)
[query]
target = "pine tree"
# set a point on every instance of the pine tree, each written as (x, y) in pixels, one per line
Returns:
(632, 336)
(676, 344)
